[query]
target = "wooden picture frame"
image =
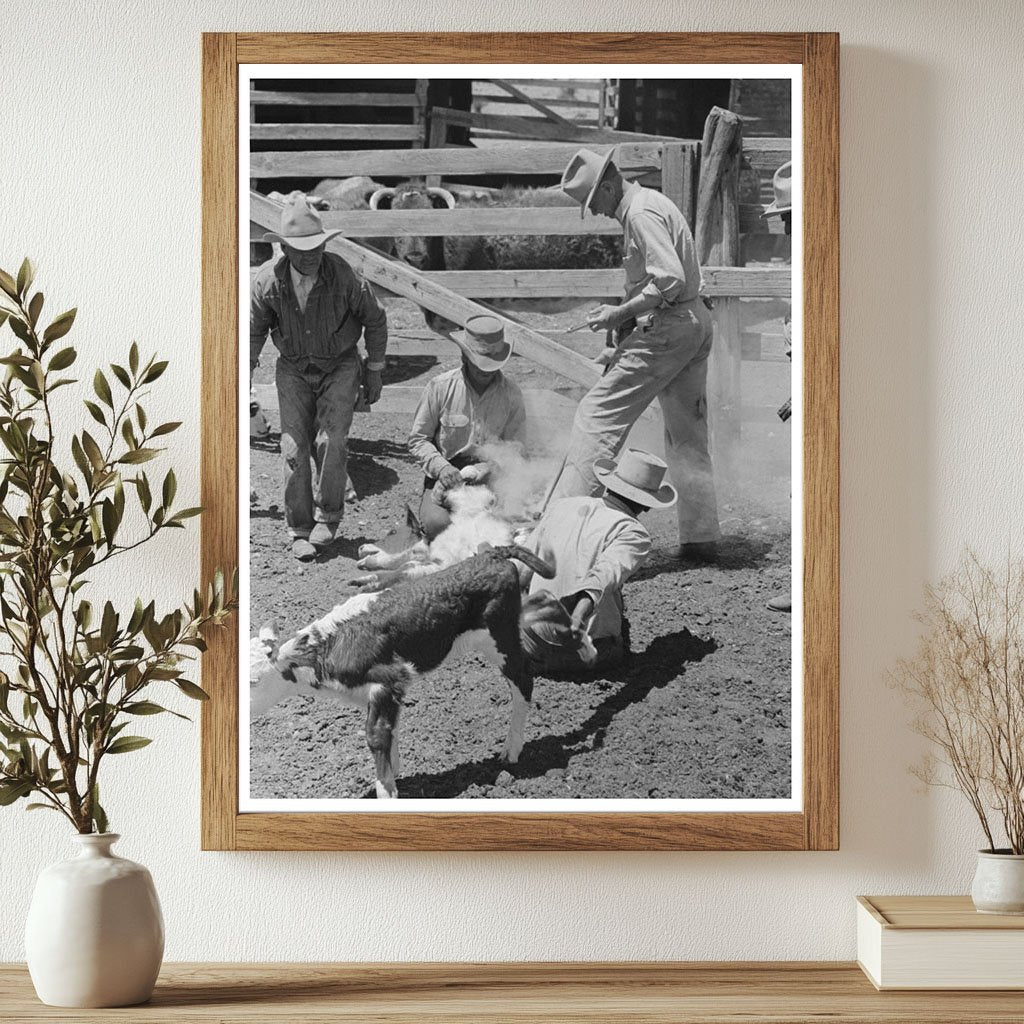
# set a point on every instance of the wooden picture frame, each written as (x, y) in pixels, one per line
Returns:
(816, 826)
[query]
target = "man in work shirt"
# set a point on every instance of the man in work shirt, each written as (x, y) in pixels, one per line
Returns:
(461, 410)
(596, 544)
(664, 356)
(315, 307)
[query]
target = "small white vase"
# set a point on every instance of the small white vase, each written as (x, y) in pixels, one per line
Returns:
(999, 883)
(95, 933)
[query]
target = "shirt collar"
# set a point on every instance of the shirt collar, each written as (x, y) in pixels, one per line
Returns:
(629, 192)
(615, 502)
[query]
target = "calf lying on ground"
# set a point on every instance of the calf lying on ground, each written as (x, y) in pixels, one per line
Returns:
(474, 524)
(370, 653)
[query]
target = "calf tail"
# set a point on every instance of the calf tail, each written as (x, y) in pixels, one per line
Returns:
(528, 558)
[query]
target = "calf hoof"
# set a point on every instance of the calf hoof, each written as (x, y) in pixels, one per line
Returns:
(365, 550)
(383, 793)
(510, 755)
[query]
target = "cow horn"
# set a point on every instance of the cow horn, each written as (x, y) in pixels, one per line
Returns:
(379, 195)
(444, 194)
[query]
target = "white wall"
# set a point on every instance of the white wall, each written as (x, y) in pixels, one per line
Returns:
(100, 183)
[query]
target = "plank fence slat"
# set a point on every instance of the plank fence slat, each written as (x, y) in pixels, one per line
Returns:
(539, 128)
(541, 158)
(335, 132)
(333, 99)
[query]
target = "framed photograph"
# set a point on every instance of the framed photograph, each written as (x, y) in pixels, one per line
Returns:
(529, 456)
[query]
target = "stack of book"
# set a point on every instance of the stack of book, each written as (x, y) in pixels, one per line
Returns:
(938, 942)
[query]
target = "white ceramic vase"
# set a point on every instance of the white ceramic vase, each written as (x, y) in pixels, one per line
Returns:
(95, 933)
(999, 883)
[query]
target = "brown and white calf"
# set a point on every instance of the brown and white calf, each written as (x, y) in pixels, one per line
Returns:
(368, 651)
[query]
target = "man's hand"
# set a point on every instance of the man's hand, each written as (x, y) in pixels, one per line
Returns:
(606, 318)
(372, 385)
(583, 610)
(450, 477)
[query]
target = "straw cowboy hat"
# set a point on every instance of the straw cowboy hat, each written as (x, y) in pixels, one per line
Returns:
(484, 343)
(301, 226)
(584, 174)
(782, 183)
(638, 476)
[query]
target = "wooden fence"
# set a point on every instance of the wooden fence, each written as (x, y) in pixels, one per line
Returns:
(673, 165)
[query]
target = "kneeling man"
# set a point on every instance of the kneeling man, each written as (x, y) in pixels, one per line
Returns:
(596, 544)
(463, 409)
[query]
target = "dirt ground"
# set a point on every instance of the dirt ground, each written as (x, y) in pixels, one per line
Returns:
(701, 710)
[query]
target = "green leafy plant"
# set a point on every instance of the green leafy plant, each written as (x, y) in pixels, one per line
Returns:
(78, 673)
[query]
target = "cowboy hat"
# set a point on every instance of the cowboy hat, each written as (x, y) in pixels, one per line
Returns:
(301, 226)
(782, 183)
(484, 343)
(584, 174)
(638, 476)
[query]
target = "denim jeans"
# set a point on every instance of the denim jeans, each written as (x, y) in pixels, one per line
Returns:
(665, 357)
(316, 413)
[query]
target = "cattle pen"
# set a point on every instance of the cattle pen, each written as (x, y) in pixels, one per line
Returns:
(701, 177)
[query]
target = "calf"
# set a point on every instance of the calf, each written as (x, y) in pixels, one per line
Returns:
(369, 653)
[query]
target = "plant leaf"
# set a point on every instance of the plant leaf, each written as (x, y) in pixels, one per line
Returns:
(133, 358)
(191, 690)
(60, 326)
(102, 388)
(126, 744)
(26, 275)
(166, 428)
(121, 374)
(63, 359)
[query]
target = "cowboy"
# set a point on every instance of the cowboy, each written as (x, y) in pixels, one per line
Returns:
(781, 206)
(596, 544)
(315, 308)
(462, 410)
(664, 337)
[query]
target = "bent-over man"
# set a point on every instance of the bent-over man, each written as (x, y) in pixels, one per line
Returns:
(664, 338)
(315, 307)
(463, 409)
(596, 544)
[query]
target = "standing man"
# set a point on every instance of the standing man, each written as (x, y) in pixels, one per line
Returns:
(596, 544)
(461, 410)
(782, 207)
(663, 332)
(315, 308)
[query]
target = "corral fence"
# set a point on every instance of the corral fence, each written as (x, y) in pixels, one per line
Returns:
(702, 178)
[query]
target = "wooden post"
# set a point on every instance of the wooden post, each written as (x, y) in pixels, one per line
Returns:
(679, 177)
(419, 112)
(718, 244)
(437, 139)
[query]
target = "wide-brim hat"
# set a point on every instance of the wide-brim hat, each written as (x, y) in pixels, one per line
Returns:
(782, 183)
(639, 476)
(584, 174)
(301, 226)
(484, 343)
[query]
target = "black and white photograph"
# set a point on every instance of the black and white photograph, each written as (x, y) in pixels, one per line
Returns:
(522, 389)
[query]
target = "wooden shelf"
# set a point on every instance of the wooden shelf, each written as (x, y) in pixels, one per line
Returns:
(782, 993)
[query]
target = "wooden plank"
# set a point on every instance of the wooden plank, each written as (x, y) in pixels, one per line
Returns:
(582, 84)
(550, 158)
(401, 279)
(724, 393)
(522, 97)
(333, 99)
(467, 221)
(717, 229)
(218, 432)
(331, 132)
(492, 98)
(527, 993)
(821, 440)
(536, 128)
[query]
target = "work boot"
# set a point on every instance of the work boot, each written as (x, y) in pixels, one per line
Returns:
(780, 603)
(323, 535)
(302, 549)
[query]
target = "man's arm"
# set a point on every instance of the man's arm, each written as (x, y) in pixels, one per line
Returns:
(515, 426)
(661, 264)
(261, 320)
(368, 311)
(424, 429)
(625, 550)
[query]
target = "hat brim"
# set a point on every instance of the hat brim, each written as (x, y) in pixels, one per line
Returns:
(597, 181)
(480, 361)
(773, 210)
(664, 497)
(304, 243)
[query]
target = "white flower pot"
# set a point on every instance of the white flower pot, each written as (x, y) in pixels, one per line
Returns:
(95, 934)
(999, 883)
